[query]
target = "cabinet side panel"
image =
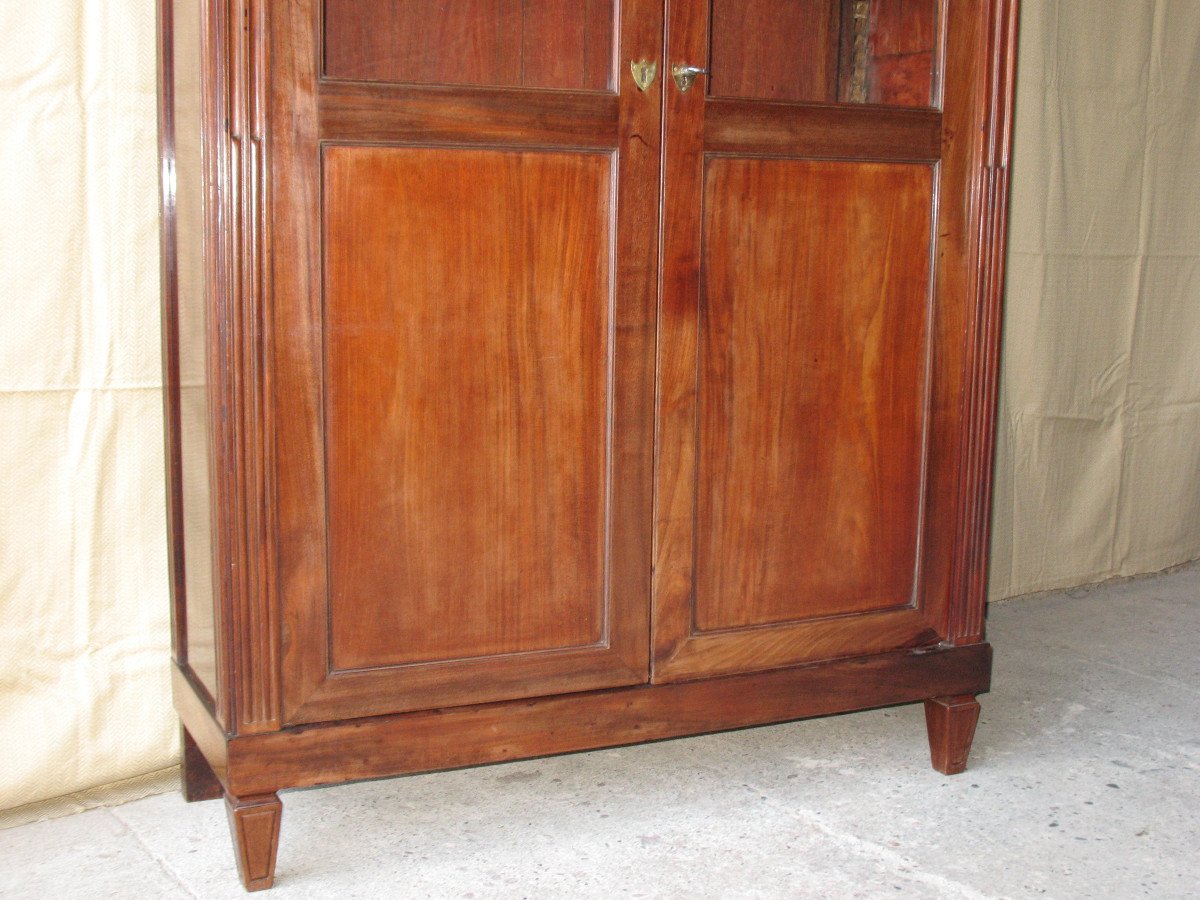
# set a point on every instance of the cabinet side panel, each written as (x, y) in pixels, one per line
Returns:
(185, 338)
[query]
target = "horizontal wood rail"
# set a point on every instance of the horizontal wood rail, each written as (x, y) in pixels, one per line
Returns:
(822, 131)
(497, 732)
(373, 113)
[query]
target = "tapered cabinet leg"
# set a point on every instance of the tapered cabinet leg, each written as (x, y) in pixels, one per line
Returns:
(951, 723)
(199, 780)
(254, 823)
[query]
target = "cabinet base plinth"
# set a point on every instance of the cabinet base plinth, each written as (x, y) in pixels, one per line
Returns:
(199, 781)
(256, 766)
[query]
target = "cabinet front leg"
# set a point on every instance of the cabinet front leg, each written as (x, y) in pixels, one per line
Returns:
(254, 824)
(199, 780)
(951, 725)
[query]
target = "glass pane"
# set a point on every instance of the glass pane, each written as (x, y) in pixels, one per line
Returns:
(502, 43)
(826, 51)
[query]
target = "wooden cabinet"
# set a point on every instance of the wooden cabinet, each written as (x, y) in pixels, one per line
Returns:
(545, 376)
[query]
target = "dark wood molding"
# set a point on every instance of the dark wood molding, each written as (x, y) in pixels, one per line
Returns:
(818, 131)
(207, 735)
(254, 823)
(169, 310)
(244, 378)
(372, 113)
(496, 732)
(951, 723)
(981, 364)
(200, 782)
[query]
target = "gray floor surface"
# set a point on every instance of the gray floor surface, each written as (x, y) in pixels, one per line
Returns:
(1084, 782)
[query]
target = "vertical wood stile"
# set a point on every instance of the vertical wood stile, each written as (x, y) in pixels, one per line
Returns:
(254, 627)
(995, 92)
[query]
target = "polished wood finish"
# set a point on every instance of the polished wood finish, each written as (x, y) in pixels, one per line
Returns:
(826, 51)
(902, 49)
(989, 196)
(425, 741)
(817, 132)
(767, 50)
(199, 780)
(189, 280)
(207, 734)
(489, 375)
(951, 724)
(213, 221)
(526, 43)
(614, 331)
(810, 414)
(477, 370)
(688, 642)
(433, 115)
(254, 823)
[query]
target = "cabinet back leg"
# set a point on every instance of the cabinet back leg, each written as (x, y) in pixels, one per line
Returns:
(199, 780)
(254, 824)
(951, 725)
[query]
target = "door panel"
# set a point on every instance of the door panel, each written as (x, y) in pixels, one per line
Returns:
(467, 346)
(810, 339)
(504, 43)
(826, 51)
(813, 342)
(463, 341)
(767, 50)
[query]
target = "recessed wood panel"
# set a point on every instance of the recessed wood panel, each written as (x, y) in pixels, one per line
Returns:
(813, 346)
(902, 52)
(825, 51)
(467, 314)
(767, 50)
(511, 43)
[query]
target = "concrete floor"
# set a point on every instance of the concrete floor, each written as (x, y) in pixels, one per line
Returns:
(1085, 782)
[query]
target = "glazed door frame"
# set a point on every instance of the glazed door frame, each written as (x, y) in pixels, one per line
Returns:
(309, 114)
(951, 144)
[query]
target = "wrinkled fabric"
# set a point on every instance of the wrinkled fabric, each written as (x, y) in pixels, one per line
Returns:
(1098, 465)
(1099, 442)
(84, 645)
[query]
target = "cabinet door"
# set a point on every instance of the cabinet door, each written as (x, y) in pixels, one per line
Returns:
(817, 286)
(464, 348)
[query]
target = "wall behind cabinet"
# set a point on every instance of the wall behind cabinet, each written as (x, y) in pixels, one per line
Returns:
(1098, 471)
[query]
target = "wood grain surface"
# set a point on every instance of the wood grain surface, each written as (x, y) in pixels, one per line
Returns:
(526, 43)
(586, 137)
(903, 52)
(766, 50)
(424, 256)
(498, 732)
(467, 302)
(812, 360)
(763, 384)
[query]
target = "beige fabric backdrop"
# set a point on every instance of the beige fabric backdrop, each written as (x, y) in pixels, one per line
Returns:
(1099, 466)
(1099, 461)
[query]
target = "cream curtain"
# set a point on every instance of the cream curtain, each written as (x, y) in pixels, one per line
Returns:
(84, 694)
(1099, 454)
(1099, 460)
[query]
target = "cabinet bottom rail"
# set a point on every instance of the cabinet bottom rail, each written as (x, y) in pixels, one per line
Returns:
(250, 769)
(427, 741)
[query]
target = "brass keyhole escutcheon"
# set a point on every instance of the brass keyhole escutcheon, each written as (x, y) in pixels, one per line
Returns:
(685, 75)
(644, 72)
